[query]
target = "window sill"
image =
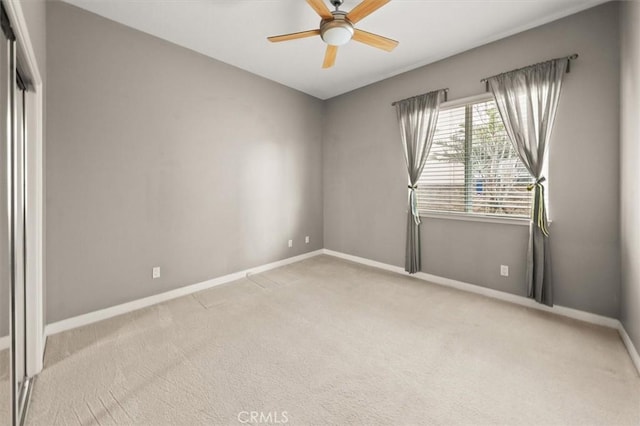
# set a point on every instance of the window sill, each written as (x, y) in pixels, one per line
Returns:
(469, 218)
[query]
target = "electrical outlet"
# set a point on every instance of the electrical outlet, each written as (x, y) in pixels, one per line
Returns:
(155, 273)
(306, 239)
(504, 270)
(290, 243)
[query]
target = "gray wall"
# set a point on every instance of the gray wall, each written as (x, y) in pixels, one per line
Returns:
(630, 169)
(222, 167)
(158, 156)
(365, 177)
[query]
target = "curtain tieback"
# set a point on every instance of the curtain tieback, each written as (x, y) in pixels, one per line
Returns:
(413, 201)
(538, 209)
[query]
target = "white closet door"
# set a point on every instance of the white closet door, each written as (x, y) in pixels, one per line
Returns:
(19, 239)
(6, 391)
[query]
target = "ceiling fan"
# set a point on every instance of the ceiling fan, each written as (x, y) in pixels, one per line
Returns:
(338, 28)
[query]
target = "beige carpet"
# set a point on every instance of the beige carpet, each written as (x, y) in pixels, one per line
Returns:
(325, 342)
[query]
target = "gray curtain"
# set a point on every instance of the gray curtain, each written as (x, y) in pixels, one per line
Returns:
(417, 118)
(527, 100)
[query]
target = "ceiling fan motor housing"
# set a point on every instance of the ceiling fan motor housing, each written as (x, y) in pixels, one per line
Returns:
(337, 31)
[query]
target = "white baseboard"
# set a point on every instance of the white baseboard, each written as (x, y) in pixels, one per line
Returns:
(519, 300)
(633, 352)
(113, 311)
(495, 294)
(523, 301)
(102, 314)
(4, 343)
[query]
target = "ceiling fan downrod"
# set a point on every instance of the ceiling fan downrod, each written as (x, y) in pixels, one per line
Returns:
(337, 4)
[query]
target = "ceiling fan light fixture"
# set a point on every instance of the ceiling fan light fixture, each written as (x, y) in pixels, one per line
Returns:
(337, 28)
(337, 32)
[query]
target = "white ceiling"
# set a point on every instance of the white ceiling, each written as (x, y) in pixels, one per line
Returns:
(235, 31)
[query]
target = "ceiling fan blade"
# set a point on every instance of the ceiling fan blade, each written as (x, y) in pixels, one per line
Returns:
(375, 40)
(330, 56)
(293, 36)
(364, 9)
(321, 8)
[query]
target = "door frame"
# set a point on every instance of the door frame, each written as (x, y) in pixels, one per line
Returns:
(34, 103)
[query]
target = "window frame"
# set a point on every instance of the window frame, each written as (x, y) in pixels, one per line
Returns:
(475, 217)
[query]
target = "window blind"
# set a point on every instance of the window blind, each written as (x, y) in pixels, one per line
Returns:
(472, 167)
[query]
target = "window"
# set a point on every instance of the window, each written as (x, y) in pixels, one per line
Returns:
(472, 167)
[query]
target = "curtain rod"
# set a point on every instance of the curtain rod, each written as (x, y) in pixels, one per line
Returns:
(433, 91)
(570, 58)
